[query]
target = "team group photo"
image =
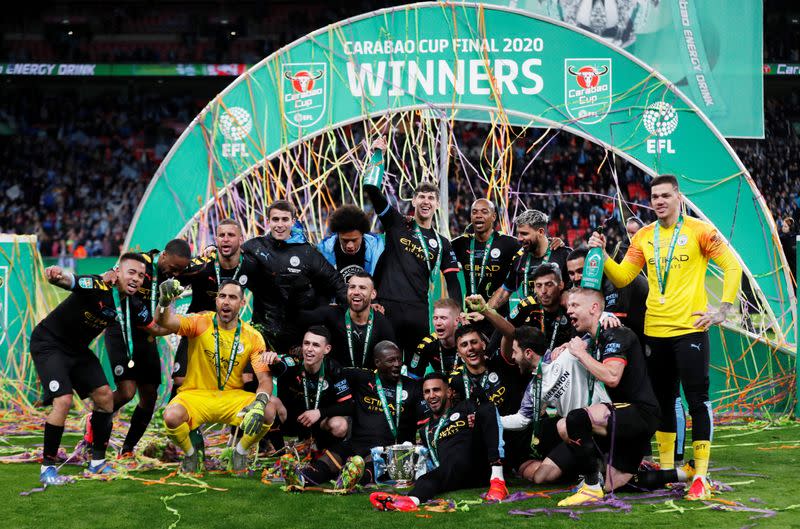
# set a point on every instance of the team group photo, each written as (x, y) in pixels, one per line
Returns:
(443, 263)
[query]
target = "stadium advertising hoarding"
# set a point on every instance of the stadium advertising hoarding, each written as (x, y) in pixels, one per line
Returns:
(123, 70)
(711, 49)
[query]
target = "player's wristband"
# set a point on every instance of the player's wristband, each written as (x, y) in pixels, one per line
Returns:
(263, 398)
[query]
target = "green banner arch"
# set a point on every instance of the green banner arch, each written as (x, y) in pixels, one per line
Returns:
(467, 62)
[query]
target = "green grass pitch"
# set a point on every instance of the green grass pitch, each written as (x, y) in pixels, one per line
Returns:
(769, 455)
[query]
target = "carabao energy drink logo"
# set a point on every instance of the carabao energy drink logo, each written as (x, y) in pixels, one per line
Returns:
(305, 92)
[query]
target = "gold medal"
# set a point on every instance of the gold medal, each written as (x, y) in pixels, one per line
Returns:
(662, 300)
(535, 441)
(130, 364)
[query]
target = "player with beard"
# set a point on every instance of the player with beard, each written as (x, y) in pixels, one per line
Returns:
(351, 247)
(387, 410)
(439, 349)
(545, 311)
(355, 329)
(415, 254)
(615, 358)
(536, 249)
(484, 253)
(562, 383)
(220, 344)
(314, 392)
(141, 371)
(676, 250)
(59, 346)
(491, 378)
(466, 452)
(226, 262)
(301, 278)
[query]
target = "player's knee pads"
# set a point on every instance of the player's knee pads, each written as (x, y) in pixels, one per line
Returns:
(579, 424)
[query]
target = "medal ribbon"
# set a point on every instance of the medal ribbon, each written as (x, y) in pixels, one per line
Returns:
(527, 270)
(421, 239)
(594, 348)
(394, 425)
(433, 443)
(662, 280)
(348, 323)
(154, 286)
(234, 352)
(467, 384)
(320, 381)
(556, 326)
(536, 401)
(124, 319)
(486, 249)
(235, 272)
(441, 360)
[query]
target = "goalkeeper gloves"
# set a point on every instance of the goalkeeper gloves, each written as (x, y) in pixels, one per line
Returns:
(168, 291)
(254, 418)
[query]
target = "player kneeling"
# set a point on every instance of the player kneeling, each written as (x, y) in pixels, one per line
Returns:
(220, 344)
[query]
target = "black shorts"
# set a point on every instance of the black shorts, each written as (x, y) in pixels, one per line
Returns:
(564, 459)
(323, 438)
(63, 368)
(181, 358)
(455, 473)
(631, 429)
(147, 363)
(517, 447)
(548, 436)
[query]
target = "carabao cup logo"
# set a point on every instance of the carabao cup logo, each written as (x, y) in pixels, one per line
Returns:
(660, 119)
(305, 92)
(587, 89)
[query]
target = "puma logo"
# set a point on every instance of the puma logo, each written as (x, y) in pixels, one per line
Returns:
(695, 345)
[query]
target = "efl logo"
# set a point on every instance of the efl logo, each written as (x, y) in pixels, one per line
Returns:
(235, 124)
(660, 119)
(587, 89)
(305, 92)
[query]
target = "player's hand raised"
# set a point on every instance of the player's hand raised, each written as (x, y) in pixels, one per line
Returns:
(168, 291)
(54, 274)
(597, 240)
(379, 144)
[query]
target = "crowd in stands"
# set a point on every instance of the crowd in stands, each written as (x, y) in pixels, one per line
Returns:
(76, 169)
(130, 33)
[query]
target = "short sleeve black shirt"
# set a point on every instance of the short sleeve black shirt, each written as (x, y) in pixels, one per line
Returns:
(88, 310)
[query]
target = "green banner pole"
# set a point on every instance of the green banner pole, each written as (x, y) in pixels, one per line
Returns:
(796, 334)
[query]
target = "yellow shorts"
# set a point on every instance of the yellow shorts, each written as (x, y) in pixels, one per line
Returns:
(206, 406)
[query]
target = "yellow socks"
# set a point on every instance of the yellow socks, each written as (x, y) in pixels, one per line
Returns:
(249, 440)
(702, 453)
(180, 436)
(666, 449)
